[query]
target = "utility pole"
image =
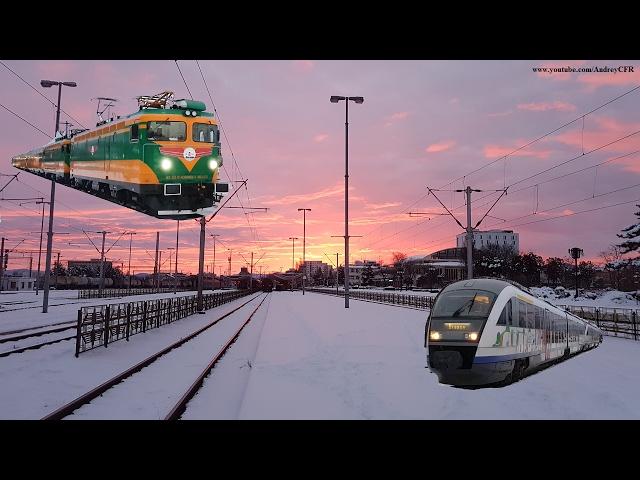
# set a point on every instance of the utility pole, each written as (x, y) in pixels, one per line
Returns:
(1, 263)
(293, 255)
(129, 269)
(203, 223)
(57, 268)
(40, 252)
(175, 286)
(213, 269)
(304, 240)
(229, 262)
(155, 263)
(104, 234)
(469, 229)
(251, 273)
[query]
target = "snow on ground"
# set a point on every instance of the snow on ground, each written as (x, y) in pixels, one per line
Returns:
(24, 309)
(307, 357)
(318, 360)
(37, 382)
(590, 298)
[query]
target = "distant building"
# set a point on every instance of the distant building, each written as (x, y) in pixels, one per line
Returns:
(18, 283)
(310, 267)
(447, 265)
(491, 237)
(357, 269)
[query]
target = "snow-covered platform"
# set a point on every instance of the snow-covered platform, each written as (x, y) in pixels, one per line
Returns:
(318, 360)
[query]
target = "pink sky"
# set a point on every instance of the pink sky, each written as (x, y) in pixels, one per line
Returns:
(423, 123)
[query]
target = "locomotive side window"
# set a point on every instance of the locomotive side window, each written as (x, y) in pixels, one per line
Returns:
(135, 134)
(167, 131)
(203, 132)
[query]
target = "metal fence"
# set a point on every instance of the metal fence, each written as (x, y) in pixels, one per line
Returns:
(617, 322)
(121, 292)
(412, 301)
(100, 325)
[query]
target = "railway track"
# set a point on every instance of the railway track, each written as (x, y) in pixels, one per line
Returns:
(17, 339)
(176, 411)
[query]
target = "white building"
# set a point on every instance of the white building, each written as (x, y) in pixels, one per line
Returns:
(310, 267)
(357, 269)
(482, 239)
(18, 283)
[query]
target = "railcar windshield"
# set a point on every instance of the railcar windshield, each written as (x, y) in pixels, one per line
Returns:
(167, 131)
(464, 303)
(203, 132)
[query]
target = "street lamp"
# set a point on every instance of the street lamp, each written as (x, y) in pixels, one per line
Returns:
(293, 254)
(47, 273)
(304, 241)
(576, 253)
(359, 100)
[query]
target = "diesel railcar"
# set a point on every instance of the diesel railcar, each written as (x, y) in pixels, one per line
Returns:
(485, 331)
(161, 160)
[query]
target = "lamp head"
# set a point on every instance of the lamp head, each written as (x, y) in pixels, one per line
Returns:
(70, 84)
(357, 99)
(48, 83)
(336, 99)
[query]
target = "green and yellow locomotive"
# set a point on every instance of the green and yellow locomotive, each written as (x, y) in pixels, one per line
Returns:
(162, 161)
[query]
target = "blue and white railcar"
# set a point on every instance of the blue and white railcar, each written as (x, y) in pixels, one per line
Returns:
(488, 331)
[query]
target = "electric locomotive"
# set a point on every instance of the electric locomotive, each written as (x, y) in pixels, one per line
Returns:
(161, 160)
(493, 332)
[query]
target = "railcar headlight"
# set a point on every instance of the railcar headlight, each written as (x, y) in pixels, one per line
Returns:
(435, 336)
(165, 164)
(471, 336)
(213, 164)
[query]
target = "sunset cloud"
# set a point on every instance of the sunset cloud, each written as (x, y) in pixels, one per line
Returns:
(395, 117)
(497, 151)
(321, 137)
(440, 147)
(544, 106)
(324, 193)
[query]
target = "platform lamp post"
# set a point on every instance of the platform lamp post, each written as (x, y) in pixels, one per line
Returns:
(47, 272)
(359, 100)
(304, 241)
(576, 253)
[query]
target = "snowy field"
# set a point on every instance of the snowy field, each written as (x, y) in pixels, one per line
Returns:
(307, 357)
(20, 310)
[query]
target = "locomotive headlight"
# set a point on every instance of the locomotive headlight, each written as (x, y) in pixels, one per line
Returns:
(187, 112)
(213, 164)
(165, 164)
(471, 336)
(435, 336)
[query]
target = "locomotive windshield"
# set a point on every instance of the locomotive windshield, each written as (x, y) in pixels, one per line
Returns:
(464, 303)
(203, 132)
(167, 131)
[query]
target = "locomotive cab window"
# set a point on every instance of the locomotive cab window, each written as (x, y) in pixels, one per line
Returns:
(204, 132)
(505, 316)
(167, 131)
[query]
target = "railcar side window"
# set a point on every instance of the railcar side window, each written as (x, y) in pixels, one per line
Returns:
(167, 131)
(505, 316)
(203, 132)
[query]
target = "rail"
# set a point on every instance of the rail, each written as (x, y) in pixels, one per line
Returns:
(100, 325)
(121, 292)
(411, 301)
